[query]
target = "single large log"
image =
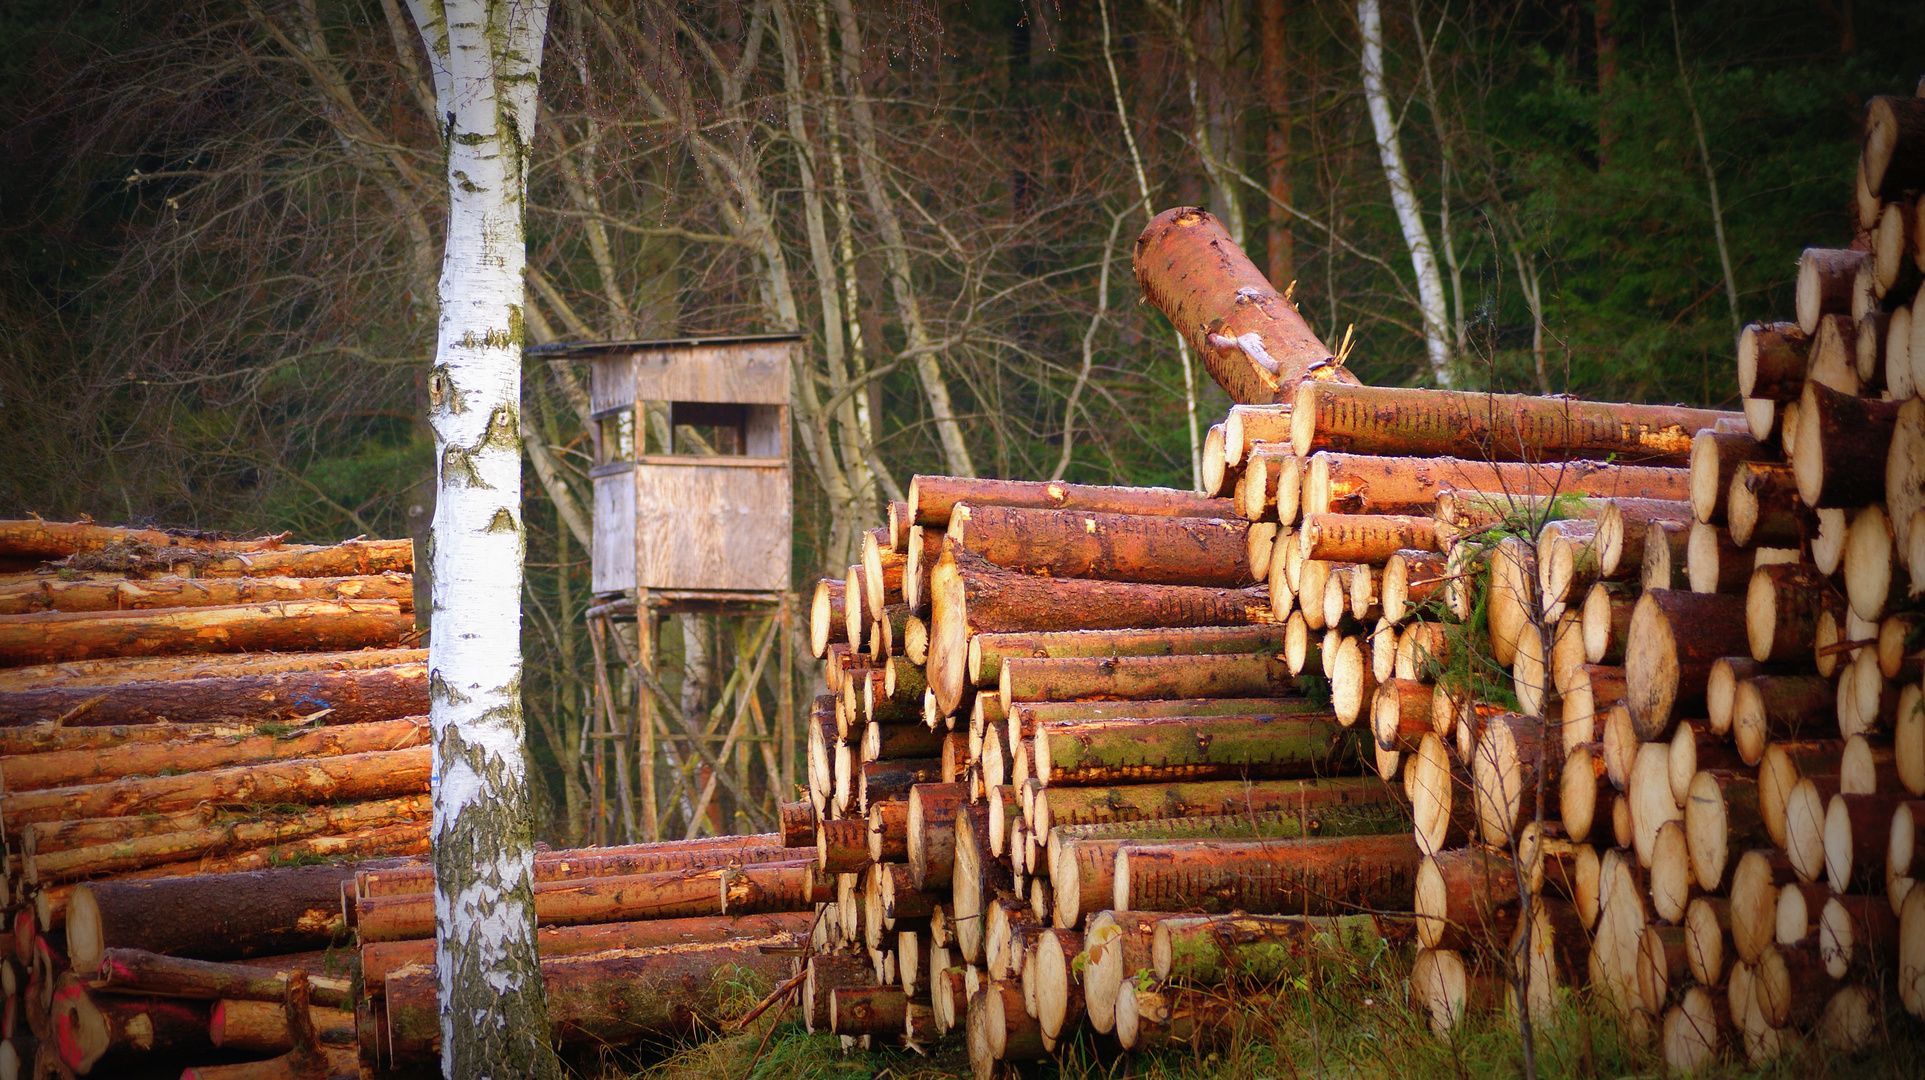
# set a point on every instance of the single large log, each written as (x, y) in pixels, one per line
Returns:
(379, 774)
(1772, 361)
(1782, 606)
(1417, 422)
(27, 772)
(56, 594)
(828, 620)
(103, 1034)
(932, 831)
(1081, 859)
(260, 1027)
(1299, 742)
(1842, 445)
(1894, 157)
(933, 499)
(754, 888)
(38, 539)
(1673, 640)
(1332, 876)
(1505, 769)
(227, 836)
(1362, 484)
(48, 637)
(1825, 277)
(379, 958)
(139, 971)
(1145, 678)
(608, 998)
(1260, 949)
(1365, 538)
(1762, 506)
(1251, 340)
(1769, 707)
(704, 853)
(968, 595)
(1056, 806)
(214, 917)
(116, 670)
(988, 652)
(1114, 547)
(332, 697)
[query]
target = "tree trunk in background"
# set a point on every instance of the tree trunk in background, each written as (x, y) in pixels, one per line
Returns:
(1403, 195)
(486, 58)
(1276, 141)
(1607, 77)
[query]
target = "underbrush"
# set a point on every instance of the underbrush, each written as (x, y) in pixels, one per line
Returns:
(1351, 1021)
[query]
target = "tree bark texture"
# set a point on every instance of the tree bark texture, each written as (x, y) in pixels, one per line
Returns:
(1251, 338)
(934, 499)
(1673, 640)
(1297, 744)
(1145, 678)
(1336, 876)
(1364, 484)
(988, 652)
(1416, 422)
(55, 594)
(1114, 547)
(70, 767)
(340, 697)
(53, 636)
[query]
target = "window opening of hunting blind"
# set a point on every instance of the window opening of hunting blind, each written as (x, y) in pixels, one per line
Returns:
(691, 429)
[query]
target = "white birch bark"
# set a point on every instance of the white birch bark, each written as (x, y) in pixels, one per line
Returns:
(486, 59)
(1410, 215)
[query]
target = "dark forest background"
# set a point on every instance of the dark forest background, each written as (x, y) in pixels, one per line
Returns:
(221, 234)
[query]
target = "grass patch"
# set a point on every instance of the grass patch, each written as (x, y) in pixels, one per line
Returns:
(1351, 1020)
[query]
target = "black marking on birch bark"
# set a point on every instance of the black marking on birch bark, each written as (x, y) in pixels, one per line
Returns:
(439, 690)
(503, 521)
(444, 394)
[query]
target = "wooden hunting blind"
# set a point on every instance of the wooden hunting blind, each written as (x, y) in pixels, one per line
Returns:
(692, 465)
(692, 515)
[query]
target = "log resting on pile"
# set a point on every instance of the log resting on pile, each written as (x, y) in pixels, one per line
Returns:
(212, 916)
(1251, 339)
(118, 670)
(52, 636)
(1116, 547)
(988, 652)
(61, 768)
(1366, 484)
(933, 499)
(332, 697)
(38, 539)
(1417, 422)
(101, 593)
(969, 595)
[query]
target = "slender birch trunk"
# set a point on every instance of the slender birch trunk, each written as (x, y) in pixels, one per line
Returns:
(486, 58)
(1403, 196)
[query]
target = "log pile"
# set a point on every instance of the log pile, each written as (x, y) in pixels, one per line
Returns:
(200, 738)
(1567, 694)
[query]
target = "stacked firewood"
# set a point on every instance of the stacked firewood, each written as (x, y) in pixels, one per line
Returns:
(185, 723)
(1053, 710)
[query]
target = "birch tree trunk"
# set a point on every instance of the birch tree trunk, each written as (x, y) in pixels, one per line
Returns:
(1403, 196)
(486, 58)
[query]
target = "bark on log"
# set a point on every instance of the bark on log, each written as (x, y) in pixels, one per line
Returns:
(1244, 426)
(882, 571)
(1824, 285)
(1258, 950)
(260, 1027)
(1772, 361)
(607, 998)
(968, 595)
(828, 620)
(379, 958)
(1842, 446)
(1673, 640)
(1144, 678)
(1113, 547)
(1334, 876)
(750, 889)
(70, 767)
(1772, 707)
(137, 971)
(374, 775)
(1762, 507)
(339, 697)
(1300, 742)
(934, 498)
(214, 917)
(1894, 156)
(988, 652)
(1136, 802)
(44, 868)
(37, 539)
(54, 594)
(932, 832)
(116, 670)
(1361, 484)
(1411, 578)
(50, 637)
(1416, 422)
(1365, 538)
(107, 1033)
(706, 853)
(1251, 340)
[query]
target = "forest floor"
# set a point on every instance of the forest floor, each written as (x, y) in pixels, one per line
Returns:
(1354, 1025)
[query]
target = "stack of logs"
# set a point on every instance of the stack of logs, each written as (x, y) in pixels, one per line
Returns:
(1626, 697)
(186, 724)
